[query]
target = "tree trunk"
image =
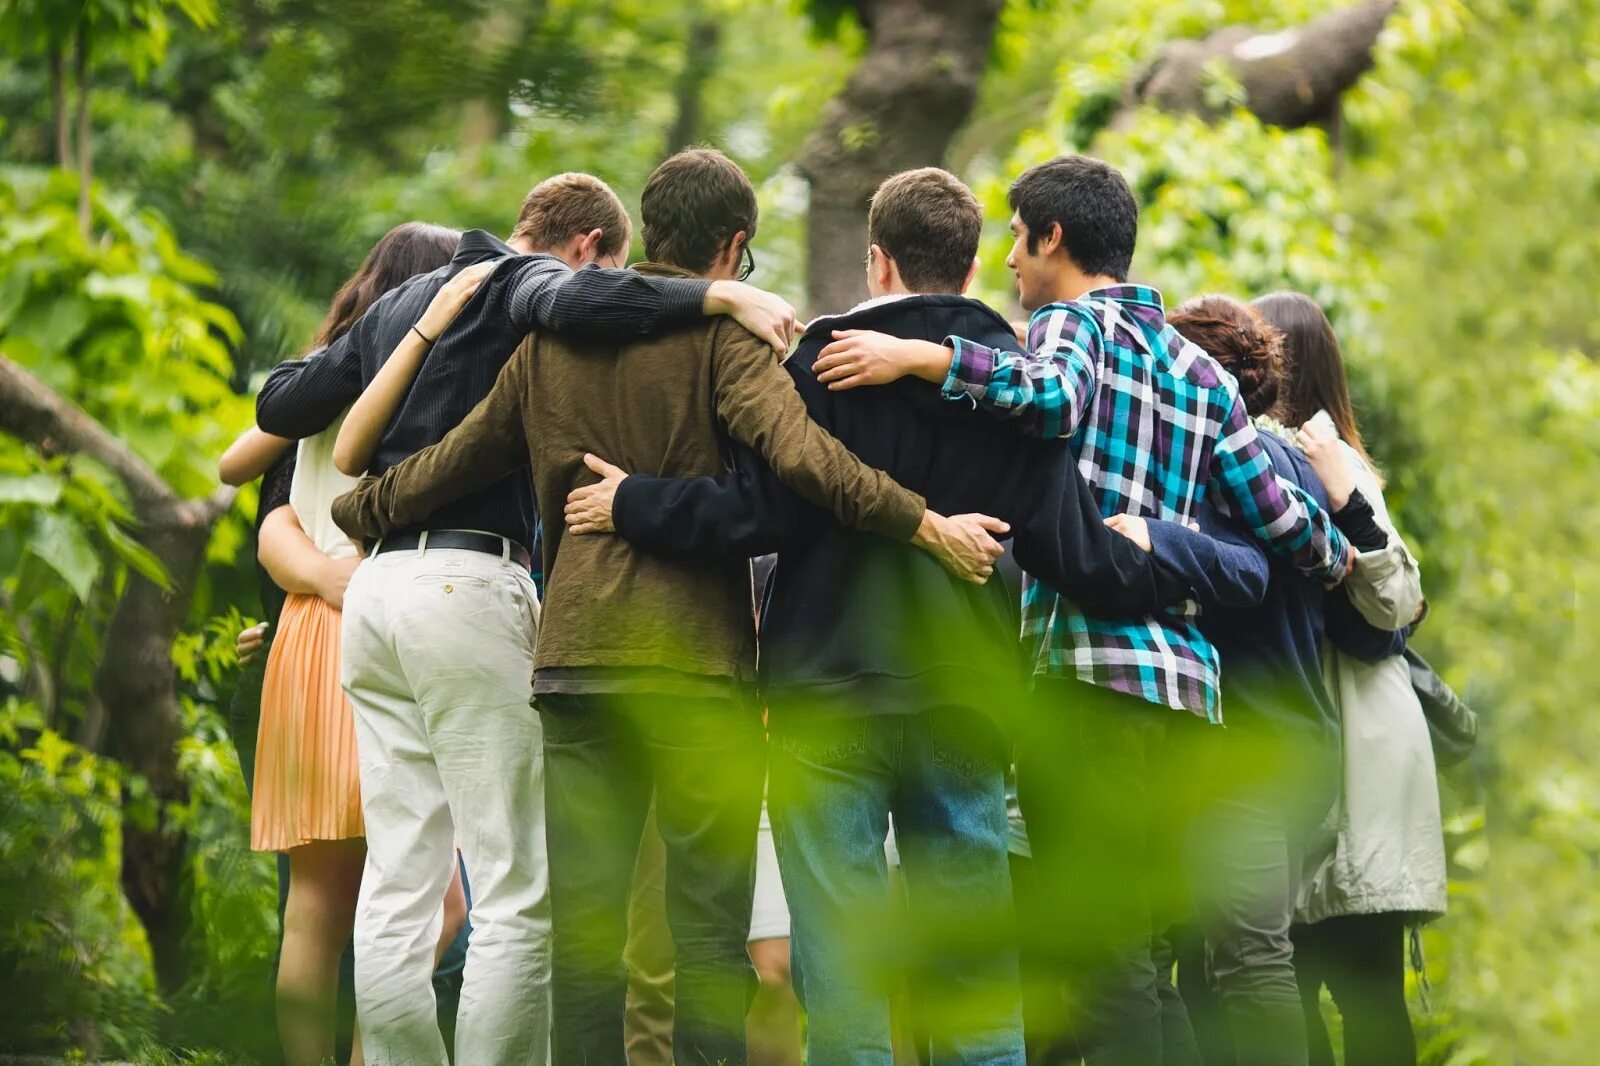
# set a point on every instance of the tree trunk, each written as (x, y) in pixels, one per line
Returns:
(136, 682)
(904, 102)
(85, 146)
(58, 105)
(699, 60)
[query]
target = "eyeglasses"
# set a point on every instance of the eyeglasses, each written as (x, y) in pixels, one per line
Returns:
(749, 265)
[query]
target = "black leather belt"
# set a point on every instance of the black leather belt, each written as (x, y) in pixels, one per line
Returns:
(487, 543)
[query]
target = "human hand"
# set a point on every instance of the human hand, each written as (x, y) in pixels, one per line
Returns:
(767, 316)
(448, 301)
(859, 357)
(334, 579)
(589, 508)
(1321, 445)
(963, 544)
(249, 642)
(1133, 527)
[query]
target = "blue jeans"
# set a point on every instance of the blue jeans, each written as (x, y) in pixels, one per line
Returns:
(835, 780)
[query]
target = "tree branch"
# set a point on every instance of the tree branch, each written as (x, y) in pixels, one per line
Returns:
(32, 411)
(1292, 77)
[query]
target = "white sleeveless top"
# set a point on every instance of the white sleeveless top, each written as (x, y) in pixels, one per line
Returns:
(317, 482)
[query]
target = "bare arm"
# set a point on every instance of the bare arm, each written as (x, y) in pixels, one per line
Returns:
(369, 416)
(249, 456)
(295, 564)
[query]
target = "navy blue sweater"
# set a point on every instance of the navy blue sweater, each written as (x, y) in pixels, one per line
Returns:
(1271, 652)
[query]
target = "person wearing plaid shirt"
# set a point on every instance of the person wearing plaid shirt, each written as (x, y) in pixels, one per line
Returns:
(1106, 772)
(1155, 423)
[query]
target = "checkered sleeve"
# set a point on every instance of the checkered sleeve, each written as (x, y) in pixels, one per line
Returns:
(1048, 389)
(1244, 485)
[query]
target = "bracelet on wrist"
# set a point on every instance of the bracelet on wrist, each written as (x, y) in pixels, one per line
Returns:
(425, 338)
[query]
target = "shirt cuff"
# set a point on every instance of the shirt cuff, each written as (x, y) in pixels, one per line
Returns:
(620, 509)
(900, 517)
(971, 366)
(1359, 523)
(683, 300)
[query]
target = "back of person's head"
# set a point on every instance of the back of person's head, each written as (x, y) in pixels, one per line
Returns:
(409, 249)
(1247, 346)
(1091, 202)
(693, 205)
(1317, 379)
(928, 222)
(571, 205)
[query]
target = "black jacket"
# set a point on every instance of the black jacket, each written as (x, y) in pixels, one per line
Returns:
(878, 624)
(302, 397)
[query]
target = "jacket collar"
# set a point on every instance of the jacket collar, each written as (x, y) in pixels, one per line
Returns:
(884, 310)
(478, 245)
(666, 270)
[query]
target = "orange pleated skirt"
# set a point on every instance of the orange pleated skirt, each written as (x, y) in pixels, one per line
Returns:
(308, 782)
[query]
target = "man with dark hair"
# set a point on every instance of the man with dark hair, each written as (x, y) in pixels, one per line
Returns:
(1091, 204)
(439, 622)
(691, 230)
(642, 668)
(888, 684)
(1156, 425)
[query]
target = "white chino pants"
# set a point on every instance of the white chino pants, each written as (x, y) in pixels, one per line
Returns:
(438, 665)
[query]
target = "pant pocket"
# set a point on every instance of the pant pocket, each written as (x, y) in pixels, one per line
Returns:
(568, 719)
(966, 742)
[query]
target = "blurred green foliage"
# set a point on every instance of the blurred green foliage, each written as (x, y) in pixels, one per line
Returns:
(1450, 228)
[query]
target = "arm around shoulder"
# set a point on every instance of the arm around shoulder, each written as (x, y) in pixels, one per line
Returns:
(760, 407)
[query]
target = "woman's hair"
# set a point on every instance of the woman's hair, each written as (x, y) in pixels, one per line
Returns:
(1246, 345)
(1316, 366)
(410, 248)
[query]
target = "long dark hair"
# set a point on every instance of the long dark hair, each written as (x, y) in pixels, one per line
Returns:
(1316, 367)
(408, 249)
(1247, 346)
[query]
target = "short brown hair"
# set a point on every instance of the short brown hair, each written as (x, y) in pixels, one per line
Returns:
(570, 205)
(692, 205)
(929, 223)
(1246, 344)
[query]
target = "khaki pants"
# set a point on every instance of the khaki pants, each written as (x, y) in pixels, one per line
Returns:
(438, 665)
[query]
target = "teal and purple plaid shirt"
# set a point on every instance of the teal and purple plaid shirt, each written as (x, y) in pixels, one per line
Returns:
(1154, 421)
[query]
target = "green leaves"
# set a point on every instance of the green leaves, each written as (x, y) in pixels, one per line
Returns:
(63, 545)
(40, 490)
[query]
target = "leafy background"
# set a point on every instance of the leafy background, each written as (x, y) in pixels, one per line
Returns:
(247, 152)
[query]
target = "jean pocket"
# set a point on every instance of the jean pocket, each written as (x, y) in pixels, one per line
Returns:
(823, 741)
(966, 742)
(567, 719)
